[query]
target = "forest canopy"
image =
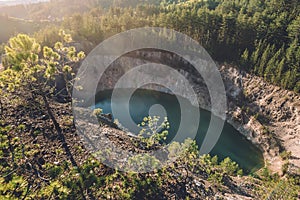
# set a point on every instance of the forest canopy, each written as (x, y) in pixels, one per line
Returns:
(261, 37)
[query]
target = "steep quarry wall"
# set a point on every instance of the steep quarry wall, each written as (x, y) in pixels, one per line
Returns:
(267, 113)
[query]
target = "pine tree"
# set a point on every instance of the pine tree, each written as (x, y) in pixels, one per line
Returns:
(294, 29)
(245, 62)
(30, 69)
(255, 57)
(273, 63)
(280, 71)
(264, 59)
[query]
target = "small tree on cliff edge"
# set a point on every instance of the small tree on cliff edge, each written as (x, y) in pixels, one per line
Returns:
(31, 70)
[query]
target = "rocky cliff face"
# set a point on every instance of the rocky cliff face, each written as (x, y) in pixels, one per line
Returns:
(264, 113)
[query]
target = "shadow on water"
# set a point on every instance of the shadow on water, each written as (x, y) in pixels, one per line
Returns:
(230, 144)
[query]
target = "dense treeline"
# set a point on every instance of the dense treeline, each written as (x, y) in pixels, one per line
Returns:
(259, 36)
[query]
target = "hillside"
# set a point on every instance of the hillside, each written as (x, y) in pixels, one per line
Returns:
(17, 2)
(11, 26)
(58, 9)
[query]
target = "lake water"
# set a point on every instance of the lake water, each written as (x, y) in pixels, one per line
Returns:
(231, 143)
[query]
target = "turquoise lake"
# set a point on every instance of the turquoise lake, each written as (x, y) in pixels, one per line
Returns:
(230, 144)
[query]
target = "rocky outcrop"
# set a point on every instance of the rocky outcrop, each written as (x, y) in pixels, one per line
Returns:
(267, 114)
